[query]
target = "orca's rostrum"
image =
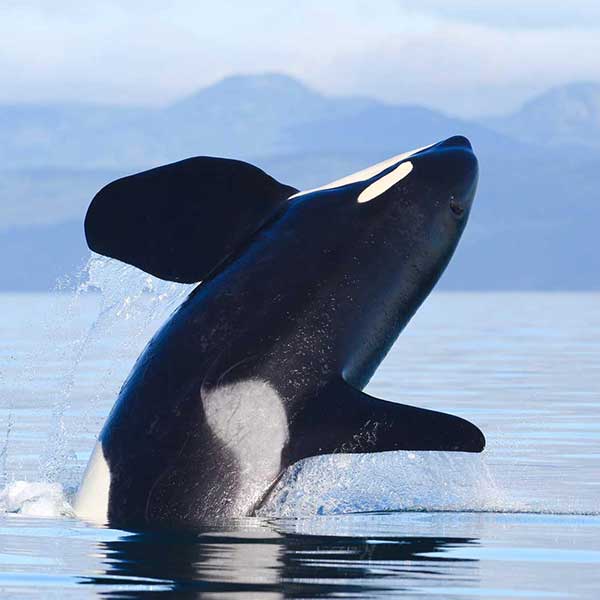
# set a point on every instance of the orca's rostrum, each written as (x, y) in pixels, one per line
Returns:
(301, 296)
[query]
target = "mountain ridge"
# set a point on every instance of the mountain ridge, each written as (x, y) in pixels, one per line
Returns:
(566, 115)
(53, 161)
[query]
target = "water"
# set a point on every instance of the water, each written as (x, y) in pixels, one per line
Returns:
(522, 520)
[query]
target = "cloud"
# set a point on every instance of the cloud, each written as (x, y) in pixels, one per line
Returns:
(469, 68)
(518, 14)
(464, 57)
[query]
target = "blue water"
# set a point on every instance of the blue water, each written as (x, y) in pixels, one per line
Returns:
(522, 520)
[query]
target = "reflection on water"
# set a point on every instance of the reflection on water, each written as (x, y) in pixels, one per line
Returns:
(272, 563)
(412, 555)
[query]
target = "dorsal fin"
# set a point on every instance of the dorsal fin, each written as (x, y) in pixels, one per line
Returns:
(181, 220)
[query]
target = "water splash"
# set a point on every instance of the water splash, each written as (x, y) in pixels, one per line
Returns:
(409, 481)
(35, 499)
(122, 297)
(126, 294)
(5, 444)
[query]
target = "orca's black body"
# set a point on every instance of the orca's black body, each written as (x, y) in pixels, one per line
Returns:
(264, 363)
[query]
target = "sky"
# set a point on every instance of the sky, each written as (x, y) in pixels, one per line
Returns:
(464, 57)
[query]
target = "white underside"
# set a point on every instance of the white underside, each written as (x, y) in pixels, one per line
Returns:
(91, 501)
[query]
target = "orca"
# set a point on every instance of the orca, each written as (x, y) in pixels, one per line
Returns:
(301, 296)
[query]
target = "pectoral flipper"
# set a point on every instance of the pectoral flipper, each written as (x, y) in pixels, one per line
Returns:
(346, 420)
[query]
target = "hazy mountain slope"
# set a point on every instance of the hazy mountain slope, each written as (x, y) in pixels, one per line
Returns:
(53, 159)
(239, 116)
(250, 116)
(567, 115)
(45, 196)
(74, 136)
(532, 226)
(383, 130)
(34, 257)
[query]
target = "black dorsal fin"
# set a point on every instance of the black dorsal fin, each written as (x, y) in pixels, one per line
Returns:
(181, 220)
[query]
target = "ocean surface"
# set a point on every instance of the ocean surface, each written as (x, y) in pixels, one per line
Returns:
(522, 520)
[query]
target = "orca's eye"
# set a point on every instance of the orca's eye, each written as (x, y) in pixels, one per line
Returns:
(455, 207)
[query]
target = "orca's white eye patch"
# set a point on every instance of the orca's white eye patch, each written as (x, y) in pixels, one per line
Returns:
(385, 183)
(364, 174)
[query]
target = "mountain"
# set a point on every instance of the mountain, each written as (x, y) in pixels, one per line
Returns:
(73, 136)
(43, 195)
(40, 257)
(532, 226)
(563, 116)
(241, 116)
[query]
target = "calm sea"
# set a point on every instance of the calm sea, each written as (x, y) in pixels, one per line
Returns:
(521, 520)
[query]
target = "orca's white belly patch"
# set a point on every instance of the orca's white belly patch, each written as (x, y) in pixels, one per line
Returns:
(250, 419)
